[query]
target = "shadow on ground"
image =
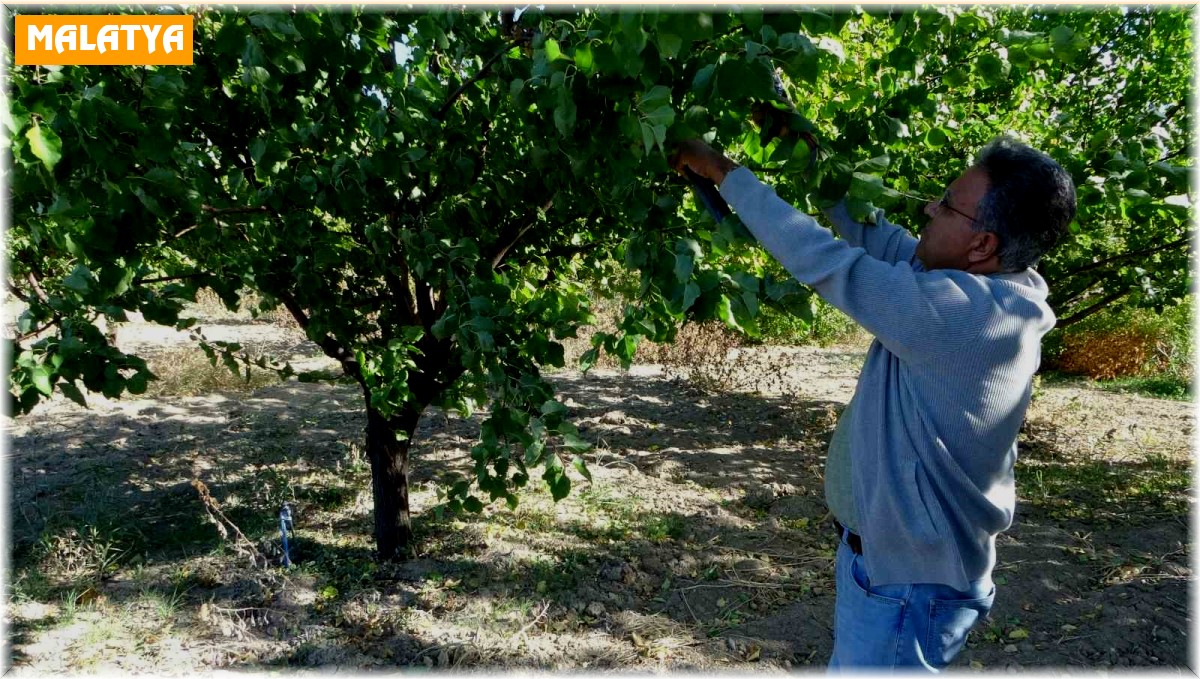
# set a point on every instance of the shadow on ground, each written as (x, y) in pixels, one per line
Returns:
(723, 560)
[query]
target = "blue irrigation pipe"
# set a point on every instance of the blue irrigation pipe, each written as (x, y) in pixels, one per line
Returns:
(285, 524)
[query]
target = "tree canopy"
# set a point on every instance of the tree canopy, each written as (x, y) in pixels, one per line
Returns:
(431, 195)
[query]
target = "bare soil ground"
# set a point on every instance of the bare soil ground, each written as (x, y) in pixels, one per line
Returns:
(701, 542)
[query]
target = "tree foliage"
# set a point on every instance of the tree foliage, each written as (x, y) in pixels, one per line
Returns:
(430, 194)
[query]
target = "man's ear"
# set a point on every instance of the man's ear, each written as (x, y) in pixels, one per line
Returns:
(984, 246)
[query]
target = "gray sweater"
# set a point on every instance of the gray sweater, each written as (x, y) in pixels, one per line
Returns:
(942, 393)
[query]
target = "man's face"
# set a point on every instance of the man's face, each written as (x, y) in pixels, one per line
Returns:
(948, 241)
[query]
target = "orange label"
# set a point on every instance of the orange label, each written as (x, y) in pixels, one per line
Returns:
(103, 40)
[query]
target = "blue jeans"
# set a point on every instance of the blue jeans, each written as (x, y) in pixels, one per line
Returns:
(917, 627)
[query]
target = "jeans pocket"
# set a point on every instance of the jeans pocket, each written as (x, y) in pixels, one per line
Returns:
(868, 624)
(892, 595)
(949, 622)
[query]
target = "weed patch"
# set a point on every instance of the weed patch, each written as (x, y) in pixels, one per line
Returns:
(1174, 387)
(186, 371)
(1103, 491)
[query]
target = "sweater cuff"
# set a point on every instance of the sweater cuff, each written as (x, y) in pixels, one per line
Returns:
(737, 181)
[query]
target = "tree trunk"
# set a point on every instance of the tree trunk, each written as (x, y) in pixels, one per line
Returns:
(389, 480)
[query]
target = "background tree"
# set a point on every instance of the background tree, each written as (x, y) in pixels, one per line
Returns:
(432, 214)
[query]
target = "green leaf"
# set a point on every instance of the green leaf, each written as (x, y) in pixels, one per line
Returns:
(703, 81)
(865, 186)
(44, 144)
(560, 484)
(258, 148)
(256, 75)
(725, 313)
(992, 68)
(1009, 38)
(573, 442)
(1017, 56)
(584, 59)
(80, 280)
(740, 80)
(588, 359)
(690, 294)
(660, 136)
(26, 322)
(648, 138)
(935, 138)
(1062, 35)
(534, 451)
(552, 407)
(136, 384)
(895, 129)
(956, 77)
(564, 117)
(669, 44)
(689, 246)
(799, 43)
(877, 165)
(486, 341)
(860, 210)
(553, 51)
(655, 98)
(683, 267)
(581, 467)
(902, 58)
(472, 504)
(804, 67)
(40, 376)
(1039, 51)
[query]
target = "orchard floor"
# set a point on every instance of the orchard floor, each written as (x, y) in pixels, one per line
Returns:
(701, 542)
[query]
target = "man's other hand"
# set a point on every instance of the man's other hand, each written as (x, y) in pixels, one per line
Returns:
(702, 159)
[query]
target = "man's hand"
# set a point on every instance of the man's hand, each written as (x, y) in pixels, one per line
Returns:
(702, 159)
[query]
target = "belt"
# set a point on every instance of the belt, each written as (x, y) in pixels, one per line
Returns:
(852, 538)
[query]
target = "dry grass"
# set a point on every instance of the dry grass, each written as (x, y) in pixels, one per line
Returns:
(209, 307)
(186, 371)
(709, 355)
(1116, 352)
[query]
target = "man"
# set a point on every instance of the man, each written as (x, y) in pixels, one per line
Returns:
(920, 470)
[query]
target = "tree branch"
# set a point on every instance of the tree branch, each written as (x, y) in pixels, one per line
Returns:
(34, 333)
(17, 293)
(1095, 308)
(1171, 114)
(217, 211)
(234, 210)
(328, 344)
(405, 294)
(1127, 255)
(499, 256)
(1174, 154)
(1060, 301)
(425, 304)
(164, 279)
(37, 288)
(572, 250)
(180, 234)
(487, 65)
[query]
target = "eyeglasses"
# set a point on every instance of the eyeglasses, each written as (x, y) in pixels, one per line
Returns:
(944, 204)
